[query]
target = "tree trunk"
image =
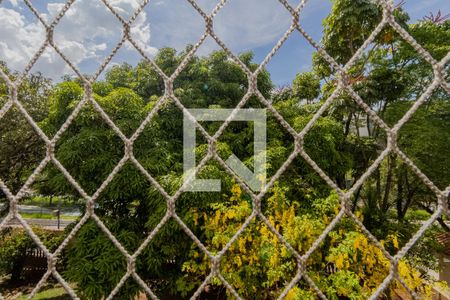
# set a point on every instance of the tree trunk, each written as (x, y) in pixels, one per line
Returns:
(440, 220)
(399, 201)
(347, 124)
(392, 161)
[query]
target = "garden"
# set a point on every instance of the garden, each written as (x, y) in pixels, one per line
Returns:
(392, 203)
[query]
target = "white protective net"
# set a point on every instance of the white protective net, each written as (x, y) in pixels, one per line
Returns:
(345, 196)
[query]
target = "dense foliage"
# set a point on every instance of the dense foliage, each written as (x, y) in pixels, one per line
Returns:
(344, 142)
(14, 244)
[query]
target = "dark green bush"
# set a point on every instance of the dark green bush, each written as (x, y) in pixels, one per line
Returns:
(14, 243)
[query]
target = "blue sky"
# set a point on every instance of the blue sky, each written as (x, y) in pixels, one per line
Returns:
(89, 31)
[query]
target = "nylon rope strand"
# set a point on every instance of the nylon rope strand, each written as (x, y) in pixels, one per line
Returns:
(342, 86)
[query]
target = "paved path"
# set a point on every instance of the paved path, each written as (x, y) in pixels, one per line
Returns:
(30, 209)
(51, 224)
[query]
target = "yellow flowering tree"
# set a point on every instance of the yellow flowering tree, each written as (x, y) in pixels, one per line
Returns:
(346, 266)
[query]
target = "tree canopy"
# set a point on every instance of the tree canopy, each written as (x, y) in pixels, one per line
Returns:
(344, 142)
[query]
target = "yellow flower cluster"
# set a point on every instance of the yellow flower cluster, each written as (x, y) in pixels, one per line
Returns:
(257, 262)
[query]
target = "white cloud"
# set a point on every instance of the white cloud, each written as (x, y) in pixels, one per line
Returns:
(53, 9)
(19, 39)
(125, 7)
(247, 24)
(86, 35)
(173, 23)
(88, 31)
(241, 24)
(141, 34)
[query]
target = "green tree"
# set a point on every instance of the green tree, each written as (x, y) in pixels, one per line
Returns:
(390, 75)
(20, 147)
(130, 207)
(306, 86)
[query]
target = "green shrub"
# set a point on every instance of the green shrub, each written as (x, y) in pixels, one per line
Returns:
(417, 215)
(13, 245)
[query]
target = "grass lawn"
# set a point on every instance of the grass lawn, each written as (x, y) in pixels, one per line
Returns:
(45, 216)
(53, 293)
(51, 202)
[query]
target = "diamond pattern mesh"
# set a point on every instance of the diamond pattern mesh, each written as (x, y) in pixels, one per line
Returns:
(342, 86)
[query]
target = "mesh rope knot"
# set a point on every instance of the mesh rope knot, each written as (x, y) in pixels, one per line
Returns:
(128, 148)
(343, 85)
